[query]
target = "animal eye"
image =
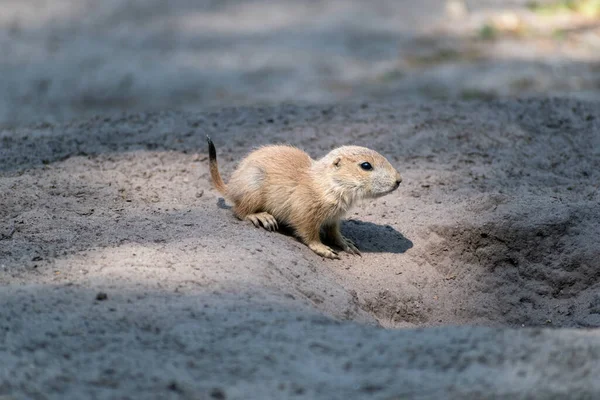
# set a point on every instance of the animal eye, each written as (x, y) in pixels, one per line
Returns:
(366, 166)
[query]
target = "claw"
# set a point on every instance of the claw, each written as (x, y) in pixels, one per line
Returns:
(254, 221)
(349, 246)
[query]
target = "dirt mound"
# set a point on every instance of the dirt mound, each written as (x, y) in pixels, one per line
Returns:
(535, 260)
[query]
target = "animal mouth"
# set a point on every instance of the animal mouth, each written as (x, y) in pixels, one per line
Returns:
(381, 194)
(396, 186)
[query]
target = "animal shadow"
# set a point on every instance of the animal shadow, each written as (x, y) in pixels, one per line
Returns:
(374, 238)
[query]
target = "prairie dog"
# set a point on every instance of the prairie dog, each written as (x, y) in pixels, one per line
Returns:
(282, 184)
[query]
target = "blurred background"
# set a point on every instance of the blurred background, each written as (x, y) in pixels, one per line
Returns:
(65, 59)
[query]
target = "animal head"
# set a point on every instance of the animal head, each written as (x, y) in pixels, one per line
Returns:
(362, 172)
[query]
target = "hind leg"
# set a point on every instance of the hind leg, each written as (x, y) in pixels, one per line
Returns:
(263, 218)
(251, 212)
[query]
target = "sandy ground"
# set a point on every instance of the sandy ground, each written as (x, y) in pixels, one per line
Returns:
(125, 276)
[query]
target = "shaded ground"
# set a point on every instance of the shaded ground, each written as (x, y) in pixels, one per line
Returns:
(122, 277)
(65, 59)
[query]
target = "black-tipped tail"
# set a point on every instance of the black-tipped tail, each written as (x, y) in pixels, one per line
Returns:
(212, 152)
(214, 168)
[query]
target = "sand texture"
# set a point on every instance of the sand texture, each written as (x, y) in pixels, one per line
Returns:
(124, 275)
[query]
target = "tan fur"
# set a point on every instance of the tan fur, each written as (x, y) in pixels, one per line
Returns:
(282, 184)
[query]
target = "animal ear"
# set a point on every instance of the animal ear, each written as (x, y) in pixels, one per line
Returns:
(337, 162)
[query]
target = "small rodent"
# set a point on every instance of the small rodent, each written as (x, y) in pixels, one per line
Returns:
(281, 184)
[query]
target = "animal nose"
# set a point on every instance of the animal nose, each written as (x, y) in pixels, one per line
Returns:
(398, 179)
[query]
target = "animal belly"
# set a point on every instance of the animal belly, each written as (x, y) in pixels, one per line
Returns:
(280, 202)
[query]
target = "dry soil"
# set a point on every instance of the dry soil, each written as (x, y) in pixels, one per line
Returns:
(124, 275)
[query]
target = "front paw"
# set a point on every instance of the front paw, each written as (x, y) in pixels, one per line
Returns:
(324, 251)
(348, 246)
